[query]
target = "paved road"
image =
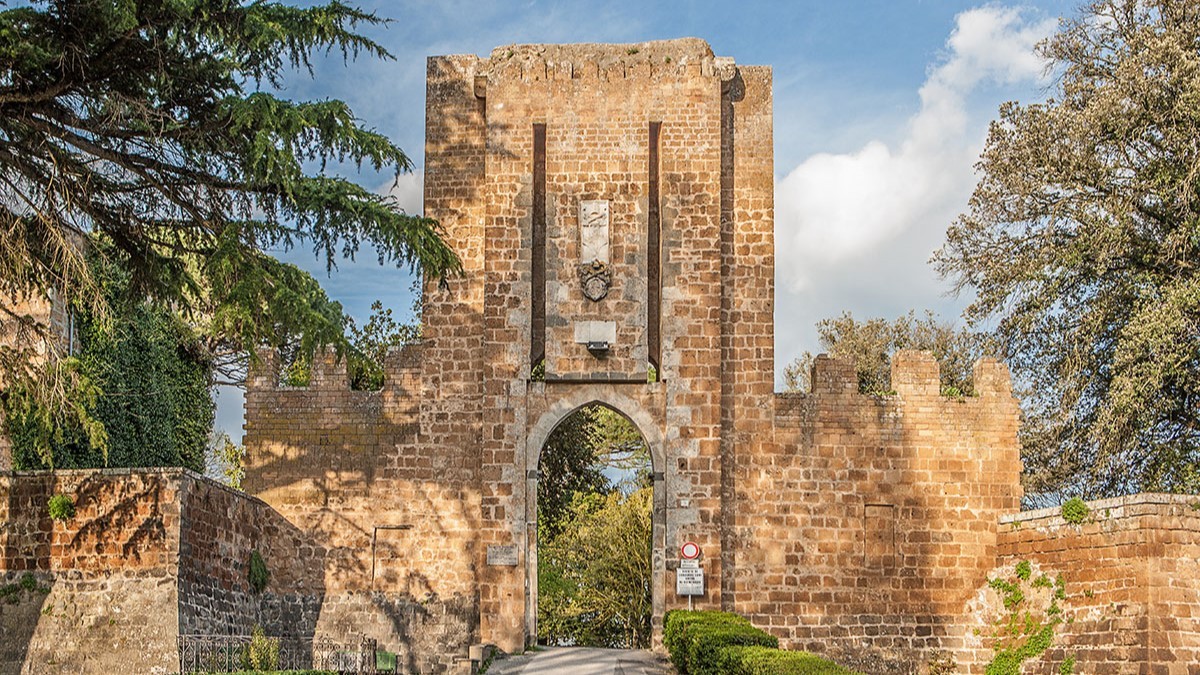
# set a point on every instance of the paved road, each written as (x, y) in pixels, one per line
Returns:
(583, 661)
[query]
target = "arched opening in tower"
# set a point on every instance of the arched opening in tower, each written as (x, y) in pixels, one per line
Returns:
(595, 525)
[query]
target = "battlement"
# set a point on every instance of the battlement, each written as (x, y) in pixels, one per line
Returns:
(914, 374)
(594, 61)
(328, 372)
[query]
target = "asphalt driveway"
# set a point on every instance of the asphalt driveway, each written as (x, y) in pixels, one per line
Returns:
(583, 661)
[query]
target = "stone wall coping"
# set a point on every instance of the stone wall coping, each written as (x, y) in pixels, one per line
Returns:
(1112, 503)
(172, 471)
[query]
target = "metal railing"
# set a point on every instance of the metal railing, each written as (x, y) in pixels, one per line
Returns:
(231, 653)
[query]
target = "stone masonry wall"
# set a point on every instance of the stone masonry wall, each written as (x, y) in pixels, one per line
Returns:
(108, 575)
(1130, 573)
(867, 522)
(392, 514)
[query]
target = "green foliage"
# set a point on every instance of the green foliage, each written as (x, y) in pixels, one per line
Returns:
(1067, 667)
(871, 344)
(722, 643)
(226, 461)
(569, 465)
(369, 344)
(385, 661)
(61, 507)
(1080, 247)
(1023, 570)
(262, 654)
(594, 547)
(147, 124)
(149, 375)
(594, 584)
(1075, 510)
(1008, 659)
(1011, 592)
(364, 348)
(257, 572)
(1025, 632)
(11, 593)
(769, 661)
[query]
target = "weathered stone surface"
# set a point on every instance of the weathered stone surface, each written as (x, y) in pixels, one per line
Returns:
(861, 527)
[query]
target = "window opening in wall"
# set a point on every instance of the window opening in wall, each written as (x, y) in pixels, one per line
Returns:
(594, 527)
(653, 257)
(537, 323)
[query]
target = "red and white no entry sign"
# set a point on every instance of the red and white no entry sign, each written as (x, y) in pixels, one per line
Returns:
(690, 551)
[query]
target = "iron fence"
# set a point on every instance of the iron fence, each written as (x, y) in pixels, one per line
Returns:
(202, 654)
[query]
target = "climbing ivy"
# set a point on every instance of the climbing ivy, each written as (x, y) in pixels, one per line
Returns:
(151, 374)
(1026, 631)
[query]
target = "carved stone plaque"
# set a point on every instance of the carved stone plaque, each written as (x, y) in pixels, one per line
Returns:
(595, 277)
(593, 231)
(502, 555)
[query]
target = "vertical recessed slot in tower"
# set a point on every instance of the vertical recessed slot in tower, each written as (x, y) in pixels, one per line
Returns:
(537, 323)
(653, 255)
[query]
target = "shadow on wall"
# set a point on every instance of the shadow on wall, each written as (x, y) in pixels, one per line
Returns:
(100, 579)
(882, 573)
(372, 511)
(21, 561)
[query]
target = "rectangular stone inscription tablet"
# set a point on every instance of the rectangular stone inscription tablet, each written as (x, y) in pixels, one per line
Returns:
(502, 555)
(593, 231)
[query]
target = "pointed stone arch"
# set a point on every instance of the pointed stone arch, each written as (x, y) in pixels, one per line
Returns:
(640, 412)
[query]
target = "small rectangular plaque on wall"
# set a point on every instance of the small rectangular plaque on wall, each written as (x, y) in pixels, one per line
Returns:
(593, 231)
(502, 555)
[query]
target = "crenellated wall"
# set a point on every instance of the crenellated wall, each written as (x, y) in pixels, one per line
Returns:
(863, 527)
(866, 522)
(363, 475)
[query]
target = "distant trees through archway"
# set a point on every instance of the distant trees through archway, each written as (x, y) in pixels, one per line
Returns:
(595, 497)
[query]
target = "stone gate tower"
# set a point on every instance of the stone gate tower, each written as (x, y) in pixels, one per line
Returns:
(613, 208)
(612, 205)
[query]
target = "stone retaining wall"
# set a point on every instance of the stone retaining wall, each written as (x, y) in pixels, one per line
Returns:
(1131, 573)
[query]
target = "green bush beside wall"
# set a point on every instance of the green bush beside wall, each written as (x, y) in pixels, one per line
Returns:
(723, 643)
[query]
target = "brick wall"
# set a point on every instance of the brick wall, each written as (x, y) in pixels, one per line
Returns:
(153, 554)
(1130, 573)
(867, 522)
(111, 603)
(390, 509)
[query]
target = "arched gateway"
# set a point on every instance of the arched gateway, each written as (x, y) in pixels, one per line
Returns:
(613, 208)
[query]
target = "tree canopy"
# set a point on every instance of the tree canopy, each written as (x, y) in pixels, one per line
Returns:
(1081, 245)
(870, 345)
(152, 126)
(594, 535)
(150, 374)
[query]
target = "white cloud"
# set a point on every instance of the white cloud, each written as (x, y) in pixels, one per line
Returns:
(408, 190)
(833, 208)
(856, 229)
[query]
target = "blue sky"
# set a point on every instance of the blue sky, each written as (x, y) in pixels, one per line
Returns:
(881, 109)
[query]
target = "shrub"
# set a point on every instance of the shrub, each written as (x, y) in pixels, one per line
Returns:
(61, 507)
(768, 661)
(282, 673)
(1074, 510)
(262, 653)
(258, 575)
(695, 639)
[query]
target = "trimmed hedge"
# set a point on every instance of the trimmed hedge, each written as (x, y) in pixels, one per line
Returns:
(695, 639)
(723, 643)
(767, 661)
